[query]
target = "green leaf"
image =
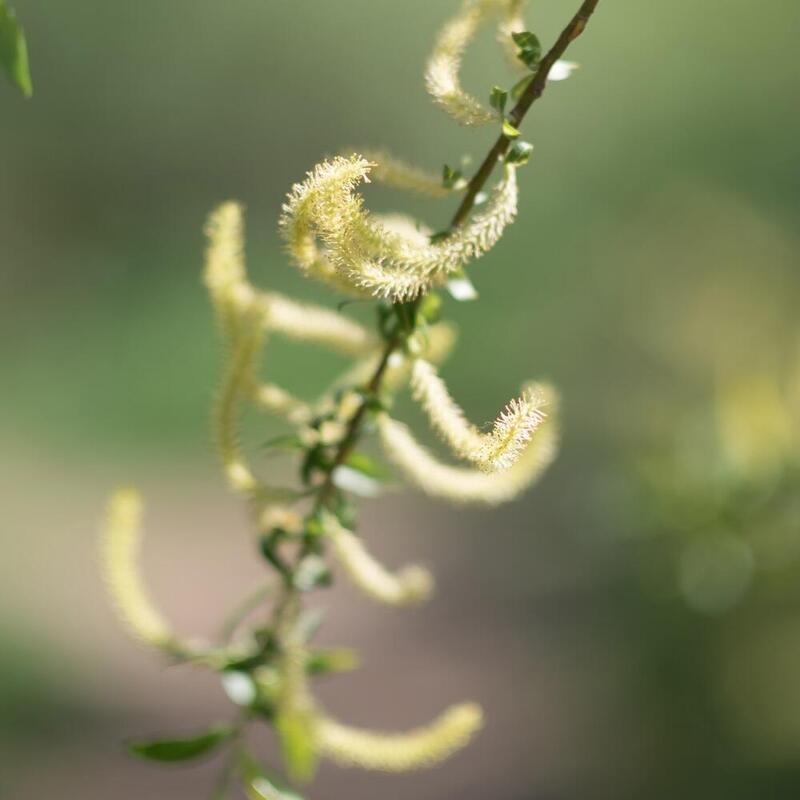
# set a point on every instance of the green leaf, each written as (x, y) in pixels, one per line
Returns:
(518, 89)
(287, 441)
(498, 98)
(509, 130)
(368, 466)
(181, 749)
(335, 659)
(430, 307)
(296, 735)
(450, 176)
(519, 152)
(530, 48)
(14, 51)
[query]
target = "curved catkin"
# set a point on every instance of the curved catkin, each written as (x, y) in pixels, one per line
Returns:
(469, 486)
(496, 450)
(399, 752)
(121, 544)
(397, 174)
(236, 386)
(375, 258)
(409, 586)
(305, 322)
(444, 64)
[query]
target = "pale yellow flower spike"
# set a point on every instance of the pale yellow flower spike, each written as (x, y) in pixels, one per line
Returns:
(470, 486)
(409, 586)
(397, 174)
(492, 451)
(441, 74)
(397, 263)
(399, 752)
(233, 296)
(121, 544)
(309, 323)
(236, 386)
(224, 274)
(276, 400)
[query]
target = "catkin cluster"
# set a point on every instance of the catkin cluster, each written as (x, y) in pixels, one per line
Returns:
(330, 236)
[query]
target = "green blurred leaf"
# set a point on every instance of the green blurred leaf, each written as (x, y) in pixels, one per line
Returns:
(334, 659)
(509, 130)
(367, 465)
(498, 98)
(519, 152)
(520, 86)
(450, 176)
(530, 48)
(181, 749)
(286, 441)
(14, 50)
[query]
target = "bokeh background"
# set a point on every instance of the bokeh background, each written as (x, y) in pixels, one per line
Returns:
(632, 626)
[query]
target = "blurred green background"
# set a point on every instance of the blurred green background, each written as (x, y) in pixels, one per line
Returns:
(632, 626)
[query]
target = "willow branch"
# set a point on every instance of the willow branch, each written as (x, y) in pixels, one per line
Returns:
(532, 93)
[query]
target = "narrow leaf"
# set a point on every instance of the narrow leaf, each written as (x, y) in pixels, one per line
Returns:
(530, 48)
(14, 51)
(509, 130)
(498, 98)
(181, 749)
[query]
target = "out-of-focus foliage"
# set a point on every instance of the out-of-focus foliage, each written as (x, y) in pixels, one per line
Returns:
(14, 50)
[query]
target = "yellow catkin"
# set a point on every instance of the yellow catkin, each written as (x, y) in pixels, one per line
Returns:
(470, 486)
(399, 752)
(444, 64)
(409, 586)
(382, 259)
(495, 450)
(121, 545)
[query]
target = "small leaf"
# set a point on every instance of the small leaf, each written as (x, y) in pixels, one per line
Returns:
(498, 98)
(336, 659)
(509, 130)
(530, 48)
(450, 177)
(287, 441)
(520, 86)
(181, 749)
(368, 466)
(430, 307)
(519, 152)
(14, 50)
